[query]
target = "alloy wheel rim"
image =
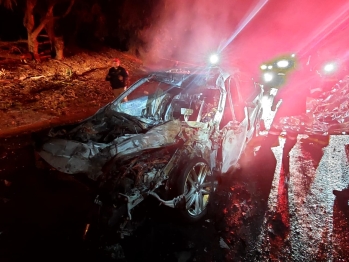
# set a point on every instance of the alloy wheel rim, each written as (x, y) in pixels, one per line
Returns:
(197, 189)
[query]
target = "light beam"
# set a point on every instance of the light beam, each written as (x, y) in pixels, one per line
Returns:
(244, 22)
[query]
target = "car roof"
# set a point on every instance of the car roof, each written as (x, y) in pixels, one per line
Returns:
(193, 75)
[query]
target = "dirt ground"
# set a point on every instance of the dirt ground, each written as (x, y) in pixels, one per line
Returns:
(52, 90)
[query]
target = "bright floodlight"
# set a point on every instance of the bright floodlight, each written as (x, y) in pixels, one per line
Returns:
(329, 68)
(263, 67)
(283, 63)
(214, 59)
(267, 77)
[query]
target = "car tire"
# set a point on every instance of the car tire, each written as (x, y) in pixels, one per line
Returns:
(196, 182)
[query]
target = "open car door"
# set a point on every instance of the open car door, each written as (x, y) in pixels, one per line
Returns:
(235, 126)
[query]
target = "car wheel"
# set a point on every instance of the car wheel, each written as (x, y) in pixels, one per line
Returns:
(196, 183)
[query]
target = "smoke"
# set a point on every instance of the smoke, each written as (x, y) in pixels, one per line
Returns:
(189, 31)
(247, 32)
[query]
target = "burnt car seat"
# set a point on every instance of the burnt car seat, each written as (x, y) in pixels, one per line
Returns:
(177, 106)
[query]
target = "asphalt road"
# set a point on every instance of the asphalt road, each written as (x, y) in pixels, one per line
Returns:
(253, 216)
(314, 220)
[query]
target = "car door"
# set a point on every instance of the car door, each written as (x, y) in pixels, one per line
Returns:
(235, 126)
(254, 110)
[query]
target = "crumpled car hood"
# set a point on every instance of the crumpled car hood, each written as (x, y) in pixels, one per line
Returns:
(74, 157)
(103, 127)
(327, 115)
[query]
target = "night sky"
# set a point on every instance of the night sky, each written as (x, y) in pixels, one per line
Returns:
(11, 25)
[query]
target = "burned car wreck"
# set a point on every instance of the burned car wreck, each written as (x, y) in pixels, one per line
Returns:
(170, 135)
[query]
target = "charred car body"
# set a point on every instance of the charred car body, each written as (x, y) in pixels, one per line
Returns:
(169, 135)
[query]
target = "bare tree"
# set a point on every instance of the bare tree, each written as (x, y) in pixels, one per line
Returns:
(47, 22)
(57, 42)
(8, 3)
(44, 9)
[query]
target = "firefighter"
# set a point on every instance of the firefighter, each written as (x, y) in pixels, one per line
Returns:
(118, 78)
(292, 101)
(287, 102)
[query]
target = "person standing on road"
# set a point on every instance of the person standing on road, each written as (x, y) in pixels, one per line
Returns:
(118, 78)
(292, 101)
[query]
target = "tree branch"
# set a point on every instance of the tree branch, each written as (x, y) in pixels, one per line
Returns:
(66, 12)
(69, 8)
(49, 15)
(8, 3)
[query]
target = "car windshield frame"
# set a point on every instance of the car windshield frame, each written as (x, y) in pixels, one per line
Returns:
(142, 94)
(146, 104)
